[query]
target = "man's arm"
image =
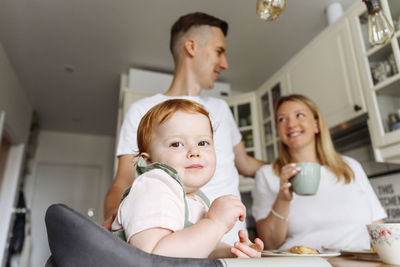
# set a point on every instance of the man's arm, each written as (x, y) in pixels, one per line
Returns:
(245, 164)
(123, 179)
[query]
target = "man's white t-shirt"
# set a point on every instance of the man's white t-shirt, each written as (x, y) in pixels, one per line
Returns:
(226, 137)
(336, 216)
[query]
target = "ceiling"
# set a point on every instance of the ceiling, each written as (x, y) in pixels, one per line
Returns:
(69, 55)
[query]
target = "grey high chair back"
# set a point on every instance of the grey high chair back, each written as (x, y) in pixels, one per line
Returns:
(76, 241)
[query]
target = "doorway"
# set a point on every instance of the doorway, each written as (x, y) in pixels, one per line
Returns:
(77, 186)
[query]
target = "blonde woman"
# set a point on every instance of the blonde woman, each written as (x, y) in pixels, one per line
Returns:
(345, 202)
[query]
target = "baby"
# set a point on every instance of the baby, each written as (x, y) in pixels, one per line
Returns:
(165, 212)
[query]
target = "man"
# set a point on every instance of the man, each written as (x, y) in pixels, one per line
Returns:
(198, 48)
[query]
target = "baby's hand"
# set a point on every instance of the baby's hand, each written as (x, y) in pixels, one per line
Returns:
(245, 248)
(226, 210)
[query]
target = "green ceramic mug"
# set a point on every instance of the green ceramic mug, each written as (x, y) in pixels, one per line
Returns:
(306, 182)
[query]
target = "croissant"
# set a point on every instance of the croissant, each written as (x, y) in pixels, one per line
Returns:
(302, 250)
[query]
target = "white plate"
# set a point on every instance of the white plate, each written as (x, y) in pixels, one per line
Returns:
(281, 253)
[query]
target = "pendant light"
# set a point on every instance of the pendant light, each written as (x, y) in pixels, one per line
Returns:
(380, 31)
(269, 10)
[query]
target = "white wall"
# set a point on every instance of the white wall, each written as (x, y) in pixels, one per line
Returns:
(14, 101)
(158, 82)
(18, 114)
(74, 149)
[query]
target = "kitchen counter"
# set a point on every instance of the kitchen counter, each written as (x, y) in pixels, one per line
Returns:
(340, 261)
(349, 261)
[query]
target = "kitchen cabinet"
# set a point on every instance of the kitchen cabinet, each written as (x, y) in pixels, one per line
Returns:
(326, 71)
(126, 97)
(346, 77)
(267, 95)
(244, 110)
(254, 115)
(379, 72)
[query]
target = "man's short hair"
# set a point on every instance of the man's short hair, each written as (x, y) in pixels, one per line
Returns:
(184, 23)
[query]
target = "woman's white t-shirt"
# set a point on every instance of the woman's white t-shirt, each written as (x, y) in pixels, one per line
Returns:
(336, 216)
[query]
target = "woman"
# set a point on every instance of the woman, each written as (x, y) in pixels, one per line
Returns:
(345, 202)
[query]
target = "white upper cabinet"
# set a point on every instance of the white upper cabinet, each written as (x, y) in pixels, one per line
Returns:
(379, 72)
(326, 71)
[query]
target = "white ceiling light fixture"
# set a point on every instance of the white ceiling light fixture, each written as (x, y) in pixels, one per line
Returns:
(270, 10)
(333, 12)
(380, 31)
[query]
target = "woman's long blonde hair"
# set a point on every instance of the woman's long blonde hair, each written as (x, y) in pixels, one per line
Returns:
(326, 153)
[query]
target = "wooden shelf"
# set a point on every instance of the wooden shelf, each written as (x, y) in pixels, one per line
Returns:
(246, 128)
(268, 120)
(374, 49)
(246, 184)
(386, 82)
(270, 143)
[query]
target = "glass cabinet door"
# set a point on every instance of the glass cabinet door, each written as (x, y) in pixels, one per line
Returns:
(268, 134)
(270, 137)
(276, 93)
(241, 108)
(248, 138)
(244, 113)
(265, 109)
(270, 152)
